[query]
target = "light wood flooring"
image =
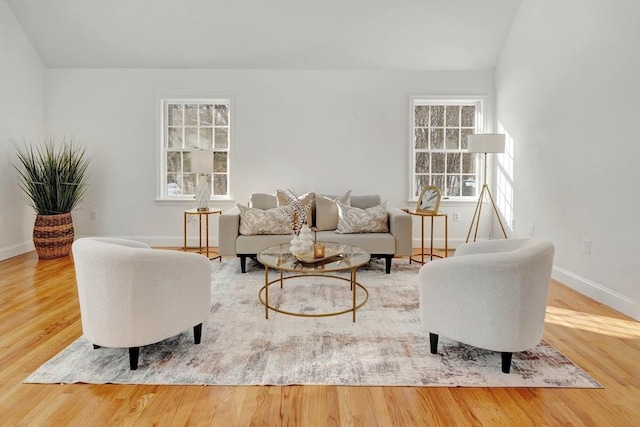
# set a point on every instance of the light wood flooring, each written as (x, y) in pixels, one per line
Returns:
(39, 316)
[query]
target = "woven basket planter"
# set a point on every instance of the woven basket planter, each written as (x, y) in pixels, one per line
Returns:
(53, 235)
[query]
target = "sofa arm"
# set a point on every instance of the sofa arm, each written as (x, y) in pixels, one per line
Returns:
(400, 229)
(228, 230)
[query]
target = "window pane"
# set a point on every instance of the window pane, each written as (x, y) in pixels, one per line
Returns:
(174, 184)
(175, 138)
(468, 185)
(421, 115)
(463, 137)
(191, 137)
(453, 185)
(421, 141)
(191, 115)
(206, 115)
(453, 136)
(222, 115)
(438, 181)
(453, 115)
(175, 114)
(437, 162)
(186, 165)
(422, 162)
(437, 139)
(421, 182)
(437, 115)
(219, 162)
(206, 138)
(220, 184)
(222, 138)
(468, 163)
(190, 183)
(468, 116)
(173, 161)
(453, 162)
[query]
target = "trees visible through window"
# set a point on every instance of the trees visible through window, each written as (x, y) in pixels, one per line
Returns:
(439, 146)
(195, 125)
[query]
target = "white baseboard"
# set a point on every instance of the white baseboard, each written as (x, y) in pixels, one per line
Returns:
(15, 250)
(621, 303)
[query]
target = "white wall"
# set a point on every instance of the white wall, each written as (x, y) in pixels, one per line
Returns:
(568, 92)
(22, 105)
(326, 131)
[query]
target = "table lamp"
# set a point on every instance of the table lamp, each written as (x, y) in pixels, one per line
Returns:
(485, 143)
(202, 164)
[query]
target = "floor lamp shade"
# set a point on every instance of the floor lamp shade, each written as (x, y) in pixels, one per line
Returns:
(202, 164)
(486, 143)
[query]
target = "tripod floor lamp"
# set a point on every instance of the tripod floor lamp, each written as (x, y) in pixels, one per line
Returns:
(484, 143)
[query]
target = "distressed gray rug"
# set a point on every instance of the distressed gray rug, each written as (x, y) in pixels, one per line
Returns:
(385, 347)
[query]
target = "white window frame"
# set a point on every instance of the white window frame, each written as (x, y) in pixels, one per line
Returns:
(479, 102)
(163, 137)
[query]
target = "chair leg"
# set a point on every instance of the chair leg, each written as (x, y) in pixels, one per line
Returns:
(387, 263)
(433, 341)
(506, 361)
(197, 333)
(95, 346)
(134, 352)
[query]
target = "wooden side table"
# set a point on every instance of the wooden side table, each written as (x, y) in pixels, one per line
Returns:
(430, 254)
(200, 214)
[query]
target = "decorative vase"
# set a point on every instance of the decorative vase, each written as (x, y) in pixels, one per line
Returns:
(53, 235)
(302, 242)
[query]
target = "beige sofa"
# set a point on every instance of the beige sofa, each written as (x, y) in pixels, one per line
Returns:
(395, 242)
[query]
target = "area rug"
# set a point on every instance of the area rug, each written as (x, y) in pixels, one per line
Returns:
(386, 346)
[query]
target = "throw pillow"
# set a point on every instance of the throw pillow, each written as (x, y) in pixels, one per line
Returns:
(306, 200)
(327, 210)
(271, 221)
(356, 220)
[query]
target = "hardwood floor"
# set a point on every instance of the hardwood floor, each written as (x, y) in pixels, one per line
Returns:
(39, 316)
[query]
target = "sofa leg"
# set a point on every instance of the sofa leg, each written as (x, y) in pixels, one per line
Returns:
(506, 361)
(197, 333)
(243, 263)
(134, 352)
(433, 342)
(95, 346)
(387, 263)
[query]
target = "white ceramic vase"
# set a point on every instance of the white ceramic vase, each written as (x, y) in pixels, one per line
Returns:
(303, 242)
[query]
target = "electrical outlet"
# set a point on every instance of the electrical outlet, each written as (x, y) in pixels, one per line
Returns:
(530, 229)
(456, 216)
(586, 246)
(93, 215)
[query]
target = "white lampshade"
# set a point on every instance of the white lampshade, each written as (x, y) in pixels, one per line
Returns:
(202, 161)
(486, 143)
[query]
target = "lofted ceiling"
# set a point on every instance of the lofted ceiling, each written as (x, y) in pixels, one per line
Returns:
(268, 34)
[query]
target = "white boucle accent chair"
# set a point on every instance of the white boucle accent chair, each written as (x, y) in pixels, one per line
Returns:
(490, 294)
(131, 295)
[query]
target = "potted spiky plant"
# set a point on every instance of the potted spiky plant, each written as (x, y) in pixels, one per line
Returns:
(54, 181)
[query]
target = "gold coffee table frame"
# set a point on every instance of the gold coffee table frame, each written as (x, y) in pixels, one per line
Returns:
(280, 258)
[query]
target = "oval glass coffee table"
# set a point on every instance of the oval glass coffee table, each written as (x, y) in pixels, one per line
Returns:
(343, 258)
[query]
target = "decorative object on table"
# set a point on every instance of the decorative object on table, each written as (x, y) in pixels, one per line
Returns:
(429, 200)
(491, 294)
(318, 250)
(302, 242)
(485, 143)
(54, 180)
(202, 164)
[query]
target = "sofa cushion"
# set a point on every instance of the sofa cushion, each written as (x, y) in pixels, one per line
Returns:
(356, 220)
(306, 200)
(263, 201)
(271, 221)
(327, 210)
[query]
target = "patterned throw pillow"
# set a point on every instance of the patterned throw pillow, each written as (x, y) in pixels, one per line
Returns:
(356, 220)
(271, 221)
(327, 210)
(307, 199)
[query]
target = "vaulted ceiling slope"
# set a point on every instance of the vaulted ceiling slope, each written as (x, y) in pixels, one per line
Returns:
(268, 34)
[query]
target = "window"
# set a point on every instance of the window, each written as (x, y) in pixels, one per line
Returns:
(439, 148)
(195, 124)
